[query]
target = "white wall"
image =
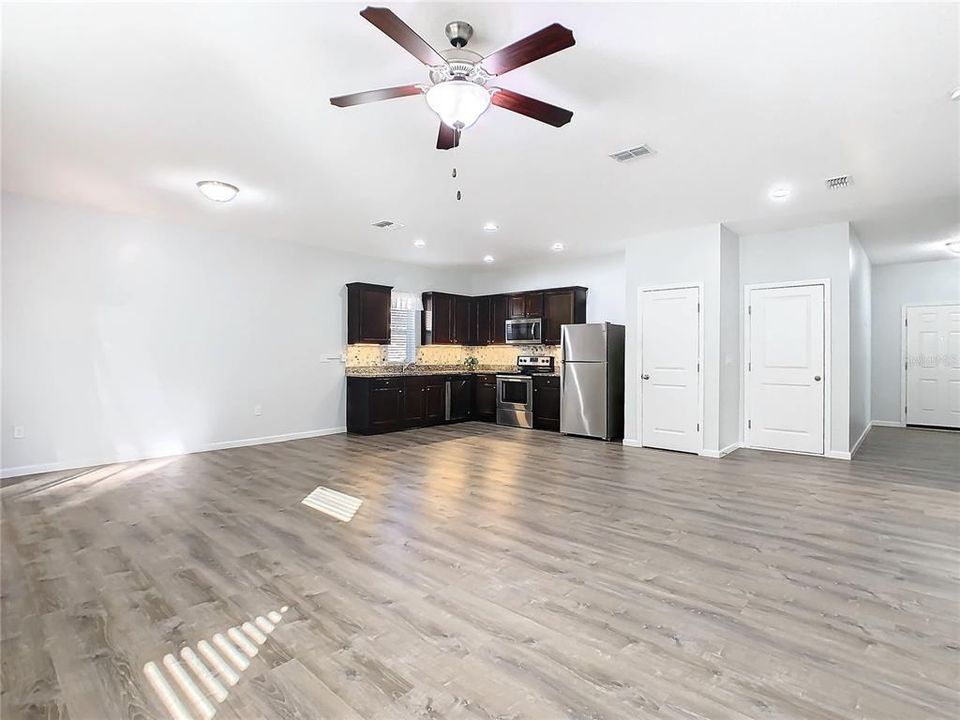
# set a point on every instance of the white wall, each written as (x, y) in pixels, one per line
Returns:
(893, 287)
(691, 255)
(731, 345)
(126, 338)
(814, 253)
(860, 349)
(602, 275)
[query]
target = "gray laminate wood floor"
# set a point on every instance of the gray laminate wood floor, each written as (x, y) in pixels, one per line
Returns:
(496, 573)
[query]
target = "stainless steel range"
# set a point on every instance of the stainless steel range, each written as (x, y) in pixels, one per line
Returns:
(515, 390)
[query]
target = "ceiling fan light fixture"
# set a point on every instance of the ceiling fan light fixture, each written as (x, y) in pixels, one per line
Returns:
(459, 103)
(217, 191)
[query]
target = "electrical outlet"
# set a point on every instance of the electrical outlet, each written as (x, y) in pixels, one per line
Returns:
(18, 432)
(257, 410)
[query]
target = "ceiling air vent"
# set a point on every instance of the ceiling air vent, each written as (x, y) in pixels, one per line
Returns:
(838, 182)
(632, 154)
(387, 225)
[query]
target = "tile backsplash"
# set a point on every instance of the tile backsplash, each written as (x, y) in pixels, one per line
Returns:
(487, 355)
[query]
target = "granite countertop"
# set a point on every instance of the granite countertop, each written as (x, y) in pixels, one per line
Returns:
(400, 370)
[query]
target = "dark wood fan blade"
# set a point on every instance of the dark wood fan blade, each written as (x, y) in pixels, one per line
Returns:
(551, 39)
(375, 95)
(401, 33)
(536, 109)
(448, 138)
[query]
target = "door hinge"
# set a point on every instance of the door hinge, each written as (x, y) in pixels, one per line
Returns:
(698, 307)
(698, 367)
(749, 366)
(749, 309)
(905, 322)
(698, 427)
(905, 365)
(749, 424)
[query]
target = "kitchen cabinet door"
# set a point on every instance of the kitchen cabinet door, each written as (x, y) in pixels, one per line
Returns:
(498, 319)
(480, 321)
(435, 400)
(386, 405)
(546, 403)
(485, 398)
(533, 305)
(414, 400)
(368, 313)
(516, 306)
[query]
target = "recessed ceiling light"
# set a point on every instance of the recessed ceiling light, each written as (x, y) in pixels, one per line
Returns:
(954, 246)
(419, 242)
(217, 191)
(557, 247)
(490, 227)
(955, 95)
(488, 258)
(779, 192)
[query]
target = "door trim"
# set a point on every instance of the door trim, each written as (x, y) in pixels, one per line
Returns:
(827, 363)
(903, 353)
(672, 286)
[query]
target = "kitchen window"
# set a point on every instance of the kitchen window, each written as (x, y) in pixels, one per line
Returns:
(404, 308)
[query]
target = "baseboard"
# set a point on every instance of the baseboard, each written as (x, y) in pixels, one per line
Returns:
(837, 455)
(226, 445)
(629, 442)
(717, 454)
(267, 439)
(859, 442)
(887, 423)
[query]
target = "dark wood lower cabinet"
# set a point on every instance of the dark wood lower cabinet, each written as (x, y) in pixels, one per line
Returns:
(485, 398)
(546, 403)
(386, 404)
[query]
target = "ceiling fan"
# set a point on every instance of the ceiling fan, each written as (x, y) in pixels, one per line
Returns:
(457, 90)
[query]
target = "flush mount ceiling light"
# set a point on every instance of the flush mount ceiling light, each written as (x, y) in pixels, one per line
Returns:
(419, 242)
(779, 193)
(458, 103)
(488, 259)
(954, 246)
(490, 227)
(955, 95)
(217, 191)
(557, 247)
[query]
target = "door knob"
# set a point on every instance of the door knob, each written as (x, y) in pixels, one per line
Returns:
(645, 376)
(817, 378)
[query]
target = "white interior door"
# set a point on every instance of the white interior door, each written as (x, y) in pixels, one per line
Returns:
(785, 368)
(670, 353)
(933, 365)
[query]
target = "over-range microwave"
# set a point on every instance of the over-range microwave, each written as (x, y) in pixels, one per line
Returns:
(527, 331)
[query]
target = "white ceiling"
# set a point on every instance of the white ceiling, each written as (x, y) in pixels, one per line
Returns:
(124, 107)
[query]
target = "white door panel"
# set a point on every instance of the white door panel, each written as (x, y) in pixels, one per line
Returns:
(670, 390)
(933, 365)
(785, 369)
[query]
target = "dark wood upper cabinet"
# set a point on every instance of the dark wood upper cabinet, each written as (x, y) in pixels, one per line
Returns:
(498, 319)
(565, 306)
(460, 320)
(525, 305)
(368, 313)
(516, 306)
(533, 304)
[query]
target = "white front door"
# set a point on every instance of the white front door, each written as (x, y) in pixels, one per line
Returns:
(933, 365)
(785, 368)
(669, 374)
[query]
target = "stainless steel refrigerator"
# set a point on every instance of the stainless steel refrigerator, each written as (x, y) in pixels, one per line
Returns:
(591, 380)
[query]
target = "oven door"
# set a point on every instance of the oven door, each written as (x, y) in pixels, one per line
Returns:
(515, 393)
(523, 332)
